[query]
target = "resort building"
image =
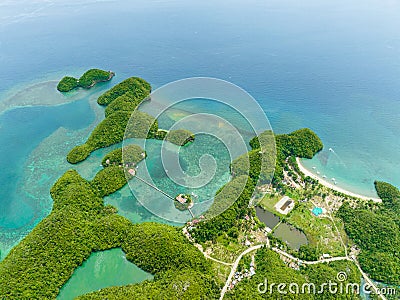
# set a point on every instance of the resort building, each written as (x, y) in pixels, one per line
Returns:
(181, 198)
(325, 256)
(285, 205)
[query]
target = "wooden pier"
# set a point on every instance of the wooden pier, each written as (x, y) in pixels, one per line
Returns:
(161, 191)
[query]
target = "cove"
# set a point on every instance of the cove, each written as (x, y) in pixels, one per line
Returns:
(101, 270)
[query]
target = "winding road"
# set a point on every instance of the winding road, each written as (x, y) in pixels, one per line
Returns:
(234, 267)
(306, 262)
(200, 247)
(325, 260)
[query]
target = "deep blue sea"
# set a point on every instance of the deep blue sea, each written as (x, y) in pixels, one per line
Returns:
(333, 66)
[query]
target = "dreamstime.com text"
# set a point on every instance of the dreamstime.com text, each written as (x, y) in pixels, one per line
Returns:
(331, 287)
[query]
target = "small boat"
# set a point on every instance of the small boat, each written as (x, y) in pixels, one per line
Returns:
(324, 176)
(333, 179)
(318, 172)
(331, 150)
(314, 168)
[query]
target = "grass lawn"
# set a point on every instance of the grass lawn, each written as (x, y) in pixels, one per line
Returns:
(320, 232)
(221, 272)
(268, 203)
(225, 249)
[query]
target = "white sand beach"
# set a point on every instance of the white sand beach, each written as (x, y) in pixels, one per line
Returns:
(331, 185)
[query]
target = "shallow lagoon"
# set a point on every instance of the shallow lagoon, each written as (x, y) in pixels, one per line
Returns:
(35, 141)
(102, 269)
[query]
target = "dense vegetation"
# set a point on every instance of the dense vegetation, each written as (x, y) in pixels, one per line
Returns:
(122, 101)
(255, 164)
(111, 131)
(87, 80)
(267, 161)
(79, 153)
(179, 137)
(308, 253)
(226, 196)
(272, 268)
(389, 194)
(174, 284)
(67, 84)
(376, 230)
(126, 102)
(222, 223)
(142, 126)
(258, 163)
(137, 89)
(93, 76)
(184, 206)
(300, 143)
(303, 143)
(129, 154)
(80, 224)
(115, 173)
(109, 180)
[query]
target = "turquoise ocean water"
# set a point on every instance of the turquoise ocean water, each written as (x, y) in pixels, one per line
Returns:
(333, 67)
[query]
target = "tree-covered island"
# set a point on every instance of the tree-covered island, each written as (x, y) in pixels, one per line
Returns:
(122, 119)
(183, 202)
(87, 80)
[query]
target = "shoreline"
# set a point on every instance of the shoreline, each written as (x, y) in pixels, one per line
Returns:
(332, 186)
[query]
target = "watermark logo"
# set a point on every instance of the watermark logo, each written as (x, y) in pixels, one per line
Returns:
(334, 287)
(341, 276)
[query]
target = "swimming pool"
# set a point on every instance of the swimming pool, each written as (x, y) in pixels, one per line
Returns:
(317, 211)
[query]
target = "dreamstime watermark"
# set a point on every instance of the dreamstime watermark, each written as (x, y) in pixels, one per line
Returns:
(338, 286)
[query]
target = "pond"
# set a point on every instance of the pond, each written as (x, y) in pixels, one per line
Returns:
(287, 233)
(291, 236)
(267, 217)
(102, 269)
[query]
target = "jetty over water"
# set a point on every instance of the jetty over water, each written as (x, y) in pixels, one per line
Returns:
(161, 191)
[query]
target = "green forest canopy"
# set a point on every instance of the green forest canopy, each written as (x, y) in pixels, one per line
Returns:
(87, 80)
(137, 89)
(179, 137)
(376, 230)
(129, 154)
